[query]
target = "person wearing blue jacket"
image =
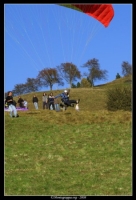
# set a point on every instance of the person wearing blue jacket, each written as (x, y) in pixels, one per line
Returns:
(65, 99)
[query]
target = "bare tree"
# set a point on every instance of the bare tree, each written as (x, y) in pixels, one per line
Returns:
(126, 68)
(32, 85)
(69, 72)
(19, 89)
(48, 77)
(95, 73)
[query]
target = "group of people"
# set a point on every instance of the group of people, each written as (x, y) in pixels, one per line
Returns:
(22, 103)
(10, 103)
(52, 102)
(49, 102)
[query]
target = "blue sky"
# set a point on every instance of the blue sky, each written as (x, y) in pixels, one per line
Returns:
(38, 36)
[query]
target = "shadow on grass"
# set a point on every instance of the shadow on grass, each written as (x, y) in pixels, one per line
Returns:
(33, 113)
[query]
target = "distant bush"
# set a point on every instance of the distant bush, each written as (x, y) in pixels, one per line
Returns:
(73, 85)
(118, 76)
(119, 99)
(85, 83)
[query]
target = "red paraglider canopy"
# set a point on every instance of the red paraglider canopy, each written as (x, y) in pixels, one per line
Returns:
(102, 12)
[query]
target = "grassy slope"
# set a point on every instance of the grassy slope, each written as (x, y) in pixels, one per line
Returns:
(69, 153)
(92, 99)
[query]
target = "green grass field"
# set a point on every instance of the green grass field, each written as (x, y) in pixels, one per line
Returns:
(69, 153)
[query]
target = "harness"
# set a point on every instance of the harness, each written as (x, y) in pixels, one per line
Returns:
(64, 97)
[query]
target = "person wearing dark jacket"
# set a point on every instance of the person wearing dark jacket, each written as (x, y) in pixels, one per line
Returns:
(35, 102)
(51, 101)
(11, 106)
(14, 103)
(21, 102)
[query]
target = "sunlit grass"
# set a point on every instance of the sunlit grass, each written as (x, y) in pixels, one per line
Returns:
(69, 153)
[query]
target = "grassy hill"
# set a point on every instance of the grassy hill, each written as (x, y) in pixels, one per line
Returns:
(121, 82)
(92, 99)
(70, 153)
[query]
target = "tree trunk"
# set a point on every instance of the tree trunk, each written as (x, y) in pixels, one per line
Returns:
(50, 87)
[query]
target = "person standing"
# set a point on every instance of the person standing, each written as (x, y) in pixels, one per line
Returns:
(56, 104)
(51, 101)
(35, 102)
(45, 100)
(10, 103)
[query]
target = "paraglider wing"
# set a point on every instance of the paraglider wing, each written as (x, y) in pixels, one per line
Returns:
(102, 12)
